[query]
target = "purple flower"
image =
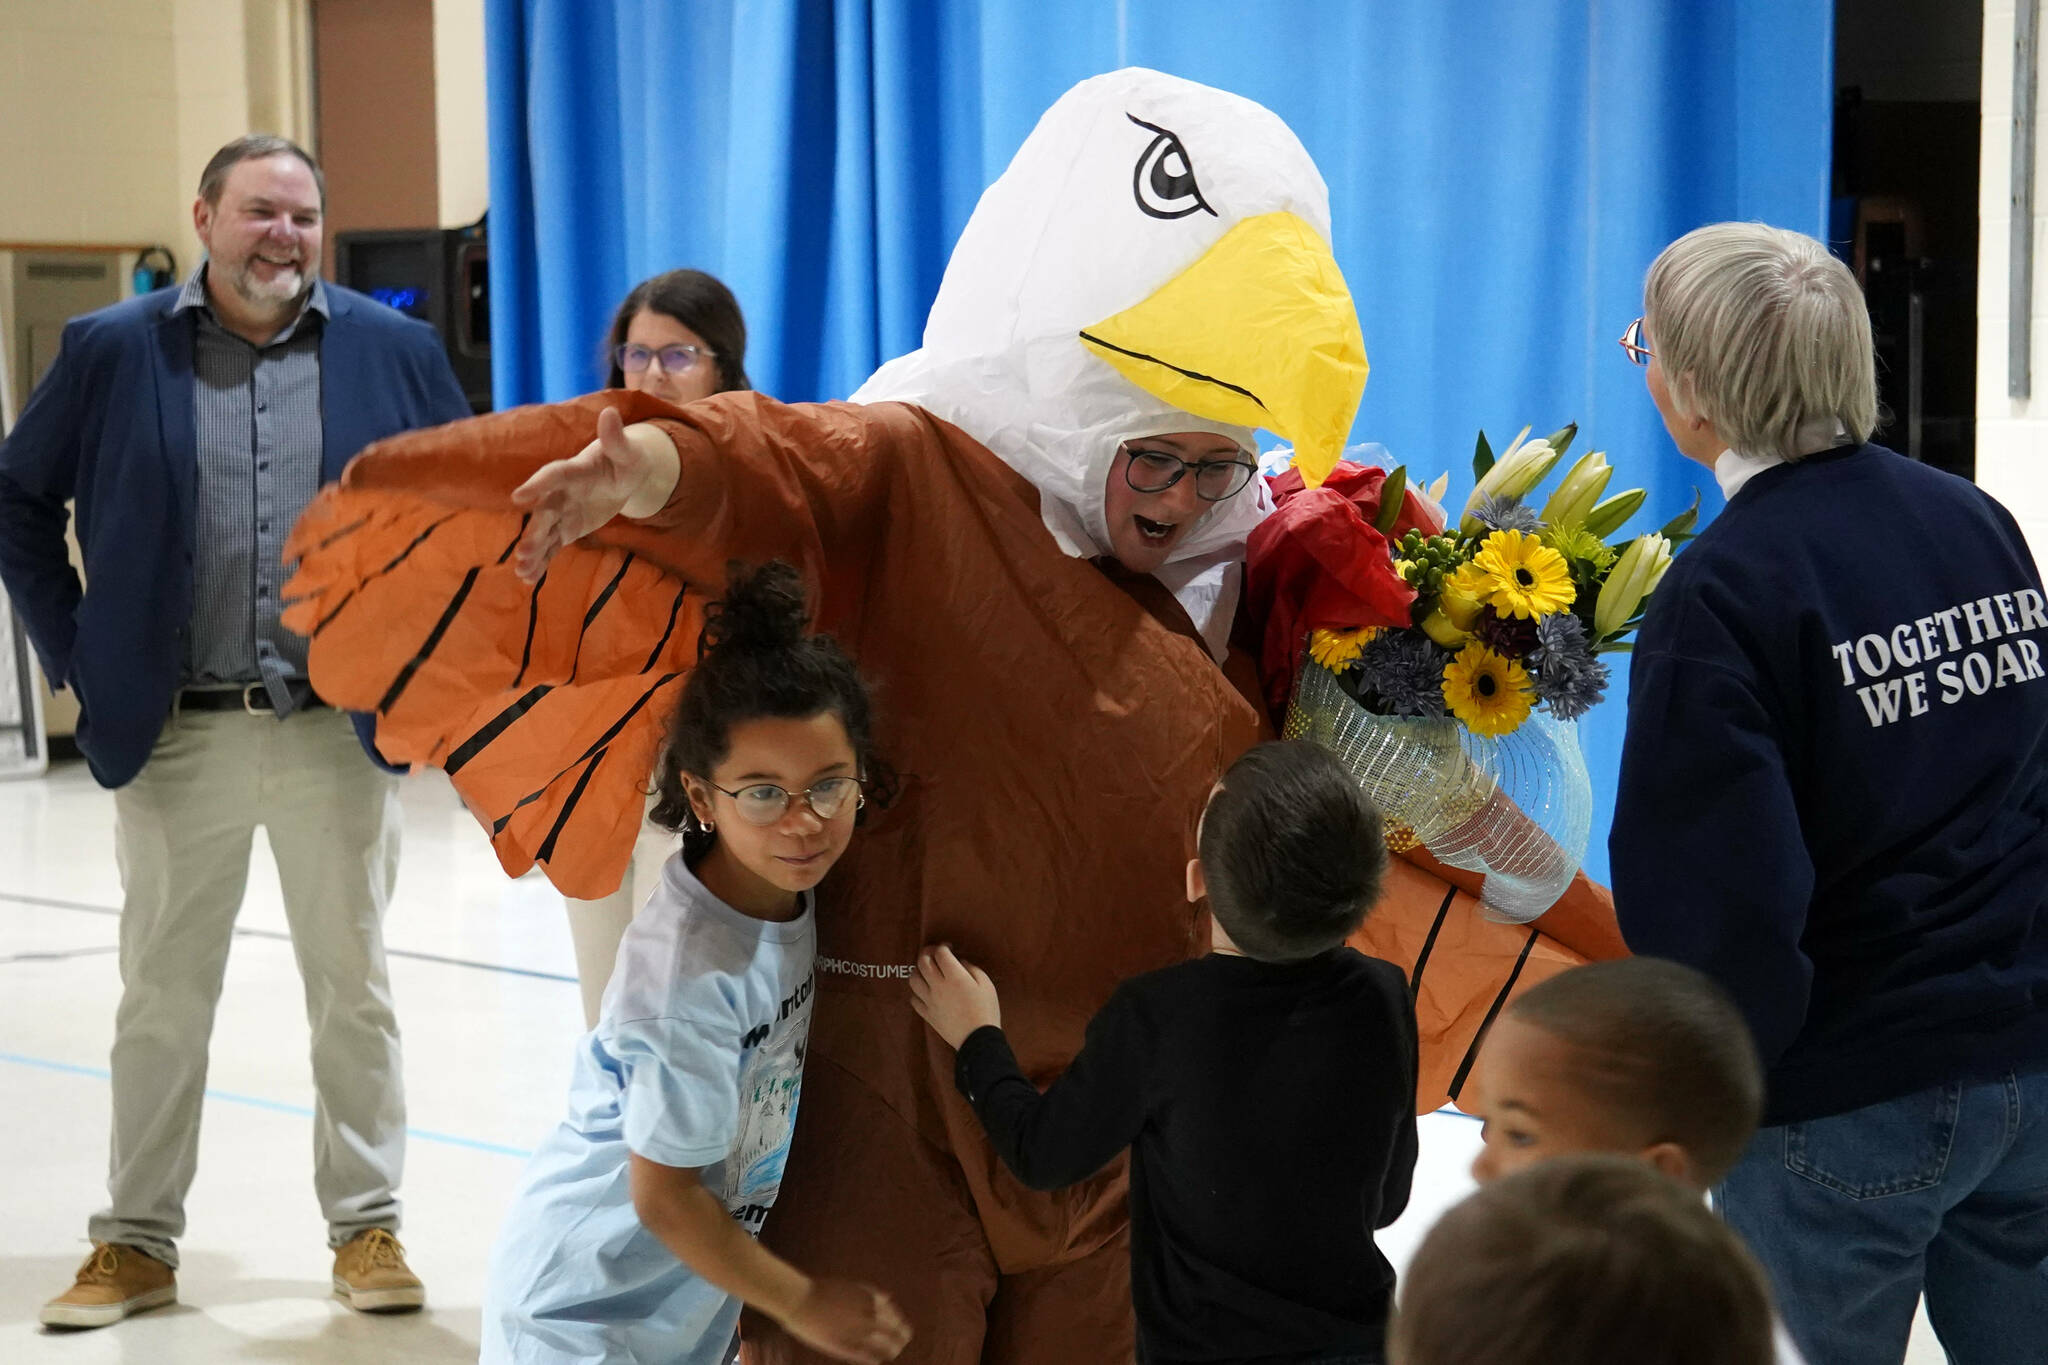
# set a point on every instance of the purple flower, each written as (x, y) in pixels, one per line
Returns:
(1569, 679)
(1561, 636)
(1508, 636)
(1403, 672)
(1505, 514)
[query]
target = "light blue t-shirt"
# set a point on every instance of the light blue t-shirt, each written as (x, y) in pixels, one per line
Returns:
(696, 1061)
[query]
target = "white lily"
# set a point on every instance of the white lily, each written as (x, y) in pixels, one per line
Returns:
(1606, 518)
(1579, 491)
(1635, 576)
(1520, 468)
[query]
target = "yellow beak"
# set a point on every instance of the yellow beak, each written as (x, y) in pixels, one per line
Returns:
(1260, 332)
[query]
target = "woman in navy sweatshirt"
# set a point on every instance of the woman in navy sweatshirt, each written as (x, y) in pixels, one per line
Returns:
(1834, 800)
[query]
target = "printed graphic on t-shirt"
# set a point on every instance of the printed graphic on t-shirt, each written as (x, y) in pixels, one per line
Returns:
(771, 1078)
(1946, 656)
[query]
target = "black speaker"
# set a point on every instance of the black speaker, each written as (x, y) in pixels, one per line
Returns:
(438, 275)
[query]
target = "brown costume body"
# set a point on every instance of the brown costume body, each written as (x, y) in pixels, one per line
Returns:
(1054, 735)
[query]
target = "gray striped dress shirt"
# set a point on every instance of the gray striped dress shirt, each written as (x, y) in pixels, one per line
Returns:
(259, 446)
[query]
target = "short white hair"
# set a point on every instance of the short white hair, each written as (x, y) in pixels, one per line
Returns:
(1765, 334)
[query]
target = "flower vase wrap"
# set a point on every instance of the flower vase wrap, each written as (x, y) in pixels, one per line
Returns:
(1517, 808)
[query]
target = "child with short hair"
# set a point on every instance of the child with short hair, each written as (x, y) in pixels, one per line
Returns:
(1266, 1091)
(1582, 1260)
(1640, 1057)
(633, 1235)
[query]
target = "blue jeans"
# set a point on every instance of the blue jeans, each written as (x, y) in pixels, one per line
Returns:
(1945, 1191)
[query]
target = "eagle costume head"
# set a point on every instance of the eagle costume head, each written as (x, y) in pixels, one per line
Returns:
(1154, 259)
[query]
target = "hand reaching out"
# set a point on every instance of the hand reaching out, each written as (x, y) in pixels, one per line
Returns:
(626, 470)
(848, 1321)
(954, 997)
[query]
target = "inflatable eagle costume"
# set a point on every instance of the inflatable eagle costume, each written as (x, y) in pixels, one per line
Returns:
(1154, 260)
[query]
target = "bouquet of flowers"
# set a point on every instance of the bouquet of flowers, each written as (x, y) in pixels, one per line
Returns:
(1513, 607)
(1446, 663)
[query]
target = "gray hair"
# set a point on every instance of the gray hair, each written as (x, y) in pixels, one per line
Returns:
(1765, 334)
(253, 147)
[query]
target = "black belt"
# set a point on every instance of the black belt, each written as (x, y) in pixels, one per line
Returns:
(254, 698)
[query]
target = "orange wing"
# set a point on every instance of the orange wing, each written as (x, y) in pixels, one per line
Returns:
(1463, 968)
(545, 703)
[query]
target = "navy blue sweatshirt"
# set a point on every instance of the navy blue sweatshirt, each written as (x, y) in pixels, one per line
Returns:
(1834, 790)
(1270, 1113)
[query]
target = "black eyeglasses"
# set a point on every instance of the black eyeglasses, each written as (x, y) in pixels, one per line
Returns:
(1632, 343)
(763, 803)
(634, 358)
(1155, 471)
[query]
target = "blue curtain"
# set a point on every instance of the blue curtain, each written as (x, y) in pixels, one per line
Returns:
(1501, 173)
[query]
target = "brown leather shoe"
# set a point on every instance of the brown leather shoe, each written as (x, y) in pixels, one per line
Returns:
(371, 1276)
(116, 1280)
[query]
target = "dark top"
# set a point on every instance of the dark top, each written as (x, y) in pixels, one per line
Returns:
(108, 443)
(256, 413)
(1270, 1113)
(1834, 790)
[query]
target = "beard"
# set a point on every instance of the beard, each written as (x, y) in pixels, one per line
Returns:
(278, 293)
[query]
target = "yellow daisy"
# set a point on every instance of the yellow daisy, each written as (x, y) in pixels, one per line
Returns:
(1490, 694)
(1527, 577)
(1333, 649)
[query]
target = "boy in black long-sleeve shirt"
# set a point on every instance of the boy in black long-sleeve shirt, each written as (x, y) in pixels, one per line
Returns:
(1266, 1091)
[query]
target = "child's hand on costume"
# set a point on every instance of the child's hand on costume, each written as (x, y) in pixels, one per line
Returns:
(848, 1321)
(954, 997)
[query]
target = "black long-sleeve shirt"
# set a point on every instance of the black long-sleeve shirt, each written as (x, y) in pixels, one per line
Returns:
(1270, 1113)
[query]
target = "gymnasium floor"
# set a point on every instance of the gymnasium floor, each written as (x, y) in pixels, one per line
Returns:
(483, 977)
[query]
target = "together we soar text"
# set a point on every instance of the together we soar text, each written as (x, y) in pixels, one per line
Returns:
(1922, 641)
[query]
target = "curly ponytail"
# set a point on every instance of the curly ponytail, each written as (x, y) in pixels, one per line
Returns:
(754, 662)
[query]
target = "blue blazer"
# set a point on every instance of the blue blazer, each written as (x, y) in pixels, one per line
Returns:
(111, 427)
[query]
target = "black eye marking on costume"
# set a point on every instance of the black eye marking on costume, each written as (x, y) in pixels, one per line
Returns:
(1164, 181)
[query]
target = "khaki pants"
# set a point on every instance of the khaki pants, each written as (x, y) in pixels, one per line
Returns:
(183, 832)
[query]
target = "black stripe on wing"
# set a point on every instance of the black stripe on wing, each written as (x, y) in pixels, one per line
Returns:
(675, 609)
(491, 729)
(595, 607)
(412, 666)
(373, 576)
(1429, 944)
(1507, 989)
(546, 852)
(600, 743)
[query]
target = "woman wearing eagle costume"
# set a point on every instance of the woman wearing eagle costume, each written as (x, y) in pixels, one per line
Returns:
(1153, 262)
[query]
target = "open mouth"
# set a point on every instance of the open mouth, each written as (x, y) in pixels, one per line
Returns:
(1154, 532)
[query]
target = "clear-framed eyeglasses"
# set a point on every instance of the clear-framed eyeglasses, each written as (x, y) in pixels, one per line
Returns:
(763, 803)
(1155, 471)
(1632, 343)
(633, 358)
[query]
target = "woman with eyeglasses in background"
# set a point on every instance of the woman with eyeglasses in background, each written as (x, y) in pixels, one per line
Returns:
(679, 336)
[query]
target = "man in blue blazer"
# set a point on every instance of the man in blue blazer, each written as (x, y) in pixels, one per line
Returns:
(188, 429)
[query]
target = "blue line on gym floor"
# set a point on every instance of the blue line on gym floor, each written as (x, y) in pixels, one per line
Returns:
(275, 1106)
(90, 909)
